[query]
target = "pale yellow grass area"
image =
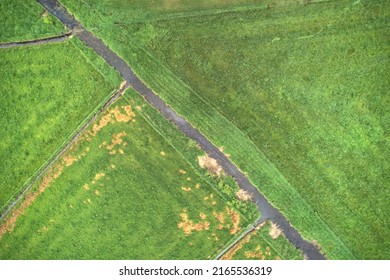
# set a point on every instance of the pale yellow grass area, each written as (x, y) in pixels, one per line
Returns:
(243, 195)
(211, 164)
(274, 231)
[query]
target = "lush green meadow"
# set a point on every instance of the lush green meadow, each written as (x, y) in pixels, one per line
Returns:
(123, 192)
(47, 92)
(26, 20)
(296, 94)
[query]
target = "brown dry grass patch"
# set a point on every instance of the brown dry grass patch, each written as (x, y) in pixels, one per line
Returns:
(219, 216)
(235, 217)
(211, 164)
(189, 226)
(124, 114)
(274, 231)
(243, 195)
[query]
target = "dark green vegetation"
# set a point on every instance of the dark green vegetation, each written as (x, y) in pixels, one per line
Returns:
(123, 192)
(259, 245)
(23, 20)
(47, 92)
(296, 94)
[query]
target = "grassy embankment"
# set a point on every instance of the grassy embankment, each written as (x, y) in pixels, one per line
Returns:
(295, 94)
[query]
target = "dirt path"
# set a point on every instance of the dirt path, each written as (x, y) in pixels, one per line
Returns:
(112, 99)
(268, 212)
(55, 39)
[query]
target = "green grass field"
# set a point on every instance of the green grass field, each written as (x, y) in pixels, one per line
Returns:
(124, 192)
(296, 94)
(47, 92)
(23, 20)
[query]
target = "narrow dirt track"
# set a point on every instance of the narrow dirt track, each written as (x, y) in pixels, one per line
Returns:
(54, 39)
(268, 212)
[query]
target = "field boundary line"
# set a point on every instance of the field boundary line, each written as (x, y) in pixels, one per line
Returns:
(35, 42)
(63, 148)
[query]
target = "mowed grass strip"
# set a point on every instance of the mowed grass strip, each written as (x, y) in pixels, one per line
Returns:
(295, 94)
(122, 192)
(23, 20)
(47, 93)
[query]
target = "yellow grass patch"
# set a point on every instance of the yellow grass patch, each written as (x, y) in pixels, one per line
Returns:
(55, 171)
(116, 140)
(97, 192)
(197, 186)
(162, 153)
(186, 189)
(235, 217)
(230, 253)
(274, 231)
(219, 216)
(125, 114)
(189, 226)
(188, 179)
(256, 254)
(211, 164)
(243, 195)
(181, 171)
(68, 160)
(202, 216)
(99, 175)
(86, 187)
